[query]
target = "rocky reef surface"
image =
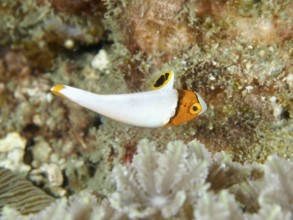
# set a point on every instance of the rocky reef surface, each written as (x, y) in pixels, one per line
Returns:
(237, 54)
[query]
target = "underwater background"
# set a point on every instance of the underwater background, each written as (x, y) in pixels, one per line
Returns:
(58, 160)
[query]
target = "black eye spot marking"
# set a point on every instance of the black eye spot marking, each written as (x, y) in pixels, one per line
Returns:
(167, 76)
(194, 108)
(161, 80)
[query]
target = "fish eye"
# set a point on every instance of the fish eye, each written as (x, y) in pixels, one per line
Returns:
(195, 108)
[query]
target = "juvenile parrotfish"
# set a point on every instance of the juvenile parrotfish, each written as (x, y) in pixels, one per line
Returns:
(162, 106)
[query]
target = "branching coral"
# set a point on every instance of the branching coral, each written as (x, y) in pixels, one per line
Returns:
(194, 180)
(174, 185)
(221, 206)
(276, 192)
(280, 173)
(156, 182)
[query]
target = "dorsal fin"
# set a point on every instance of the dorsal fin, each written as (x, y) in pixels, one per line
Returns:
(165, 81)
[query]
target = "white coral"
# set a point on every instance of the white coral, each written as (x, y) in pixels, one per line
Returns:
(81, 206)
(271, 212)
(278, 183)
(157, 182)
(221, 206)
(173, 185)
(12, 149)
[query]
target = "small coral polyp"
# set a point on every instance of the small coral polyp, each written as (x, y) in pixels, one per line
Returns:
(158, 201)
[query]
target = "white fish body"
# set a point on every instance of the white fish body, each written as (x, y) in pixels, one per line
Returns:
(143, 109)
(156, 108)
